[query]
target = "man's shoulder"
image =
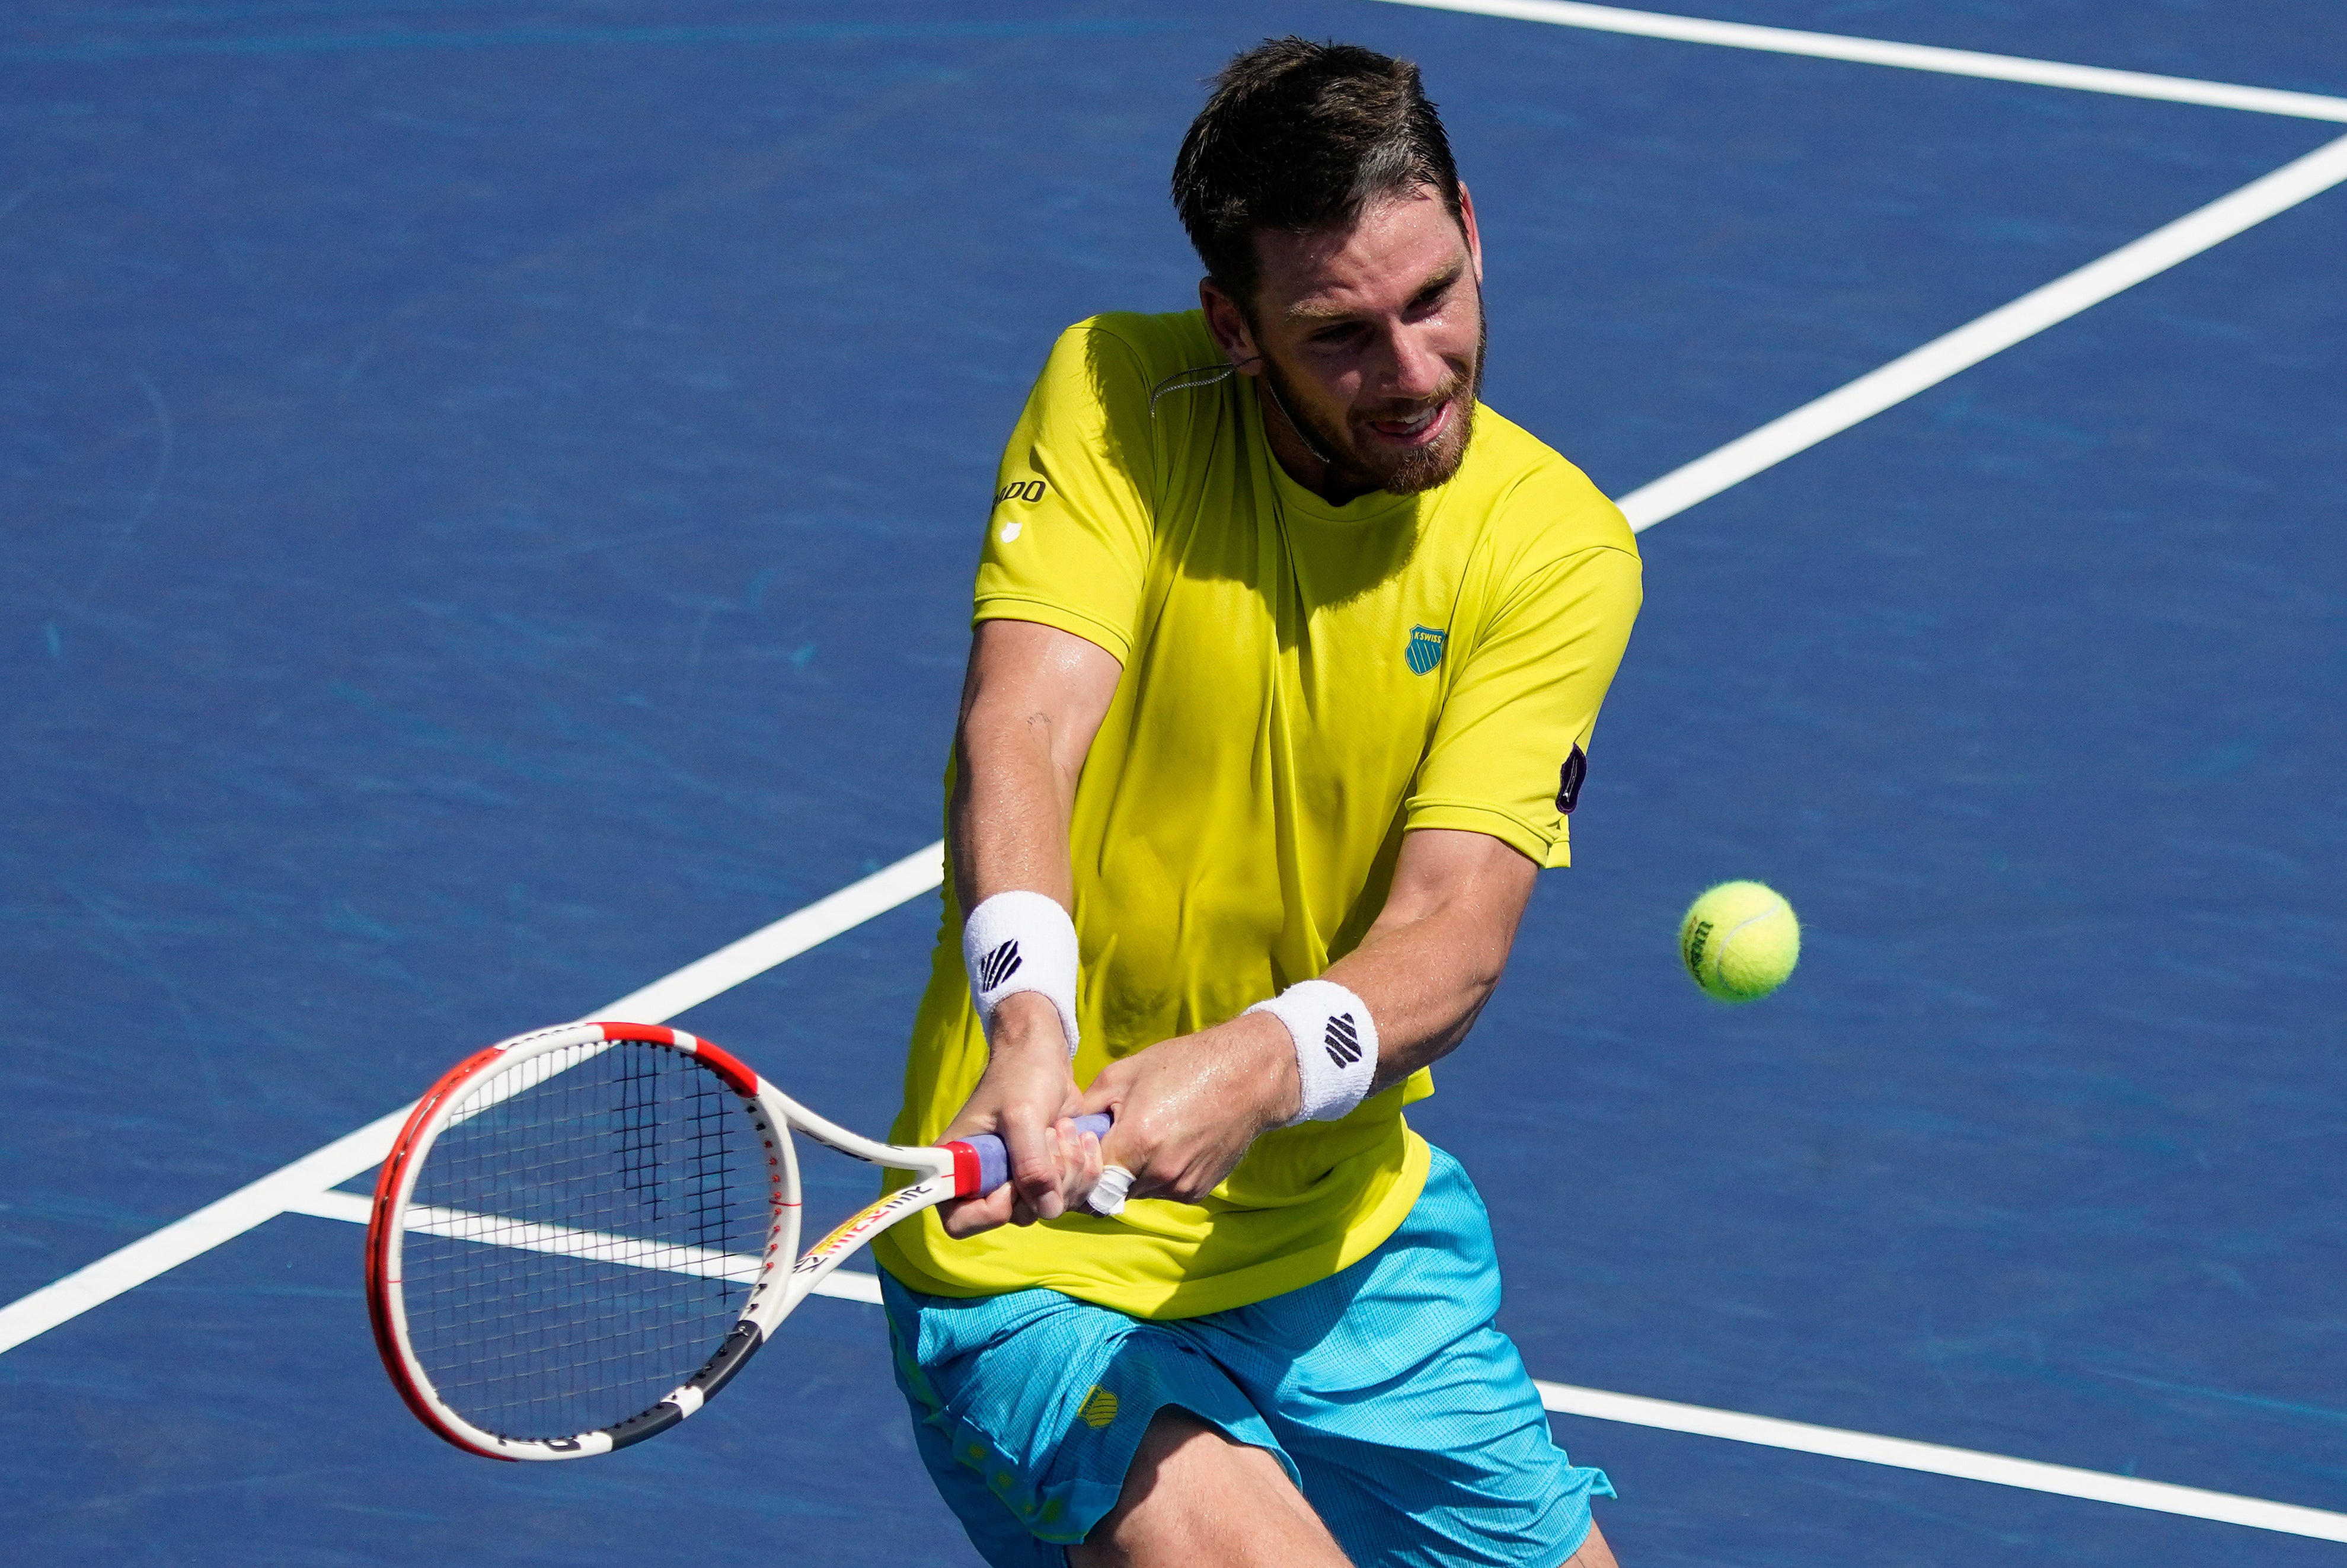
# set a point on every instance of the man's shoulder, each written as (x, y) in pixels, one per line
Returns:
(1120, 346)
(1537, 500)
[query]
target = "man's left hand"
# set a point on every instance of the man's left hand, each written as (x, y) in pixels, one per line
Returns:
(1187, 1108)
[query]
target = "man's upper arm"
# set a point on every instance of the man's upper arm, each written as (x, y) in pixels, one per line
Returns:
(1069, 540)
(1447, 868)
(1023, 671)
(1511, 744)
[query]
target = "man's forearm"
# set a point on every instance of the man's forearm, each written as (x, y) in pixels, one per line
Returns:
(1017, 752)
(1424, 984)
(1434, 956)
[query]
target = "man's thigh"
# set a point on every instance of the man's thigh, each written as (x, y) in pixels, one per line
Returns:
(1029, 1408)
(1384, 1393)
(1419, 1436)
(1192, 1496)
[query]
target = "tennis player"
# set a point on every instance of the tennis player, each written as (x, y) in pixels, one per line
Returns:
(1287, 655)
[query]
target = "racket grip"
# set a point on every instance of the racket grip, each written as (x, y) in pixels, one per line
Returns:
(993, 1161)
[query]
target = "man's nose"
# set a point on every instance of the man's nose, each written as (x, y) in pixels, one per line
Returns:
(1419, 368)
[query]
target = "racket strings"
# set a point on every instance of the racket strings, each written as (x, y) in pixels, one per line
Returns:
(588, 1242)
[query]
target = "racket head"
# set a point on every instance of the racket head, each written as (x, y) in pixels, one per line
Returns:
(580, 1235)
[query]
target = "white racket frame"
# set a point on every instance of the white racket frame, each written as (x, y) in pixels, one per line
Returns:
(784, 1279)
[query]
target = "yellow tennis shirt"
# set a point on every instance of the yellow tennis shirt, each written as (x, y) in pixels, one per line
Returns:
(1303, 683)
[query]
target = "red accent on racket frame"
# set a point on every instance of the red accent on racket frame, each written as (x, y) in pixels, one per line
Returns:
(724, 1063)
(380, 1237)
(617, 1029)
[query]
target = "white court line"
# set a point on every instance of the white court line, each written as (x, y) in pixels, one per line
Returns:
(301, 1186)
(347, 1156)
(596, 1246)
(1665, 1415)
(1907, 56)
(354, 1152)
(1943, 357)
(1967, 1464)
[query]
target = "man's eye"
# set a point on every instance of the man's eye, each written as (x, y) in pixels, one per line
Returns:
(1332, 336)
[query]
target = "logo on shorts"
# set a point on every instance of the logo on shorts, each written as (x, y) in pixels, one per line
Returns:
(1425, 649)
(1098, 1409)
(1344, 1041)
(1029, 490)
(999, 965)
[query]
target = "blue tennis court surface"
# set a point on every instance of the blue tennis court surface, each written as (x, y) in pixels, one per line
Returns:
(490, 493)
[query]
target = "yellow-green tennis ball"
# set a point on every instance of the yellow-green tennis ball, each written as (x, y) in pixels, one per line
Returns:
(1739, 941)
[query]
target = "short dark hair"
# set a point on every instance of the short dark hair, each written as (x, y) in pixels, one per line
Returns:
(1301, 137)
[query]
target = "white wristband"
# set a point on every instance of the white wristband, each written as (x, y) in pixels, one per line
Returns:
(1336, 1046)
(1017, 942)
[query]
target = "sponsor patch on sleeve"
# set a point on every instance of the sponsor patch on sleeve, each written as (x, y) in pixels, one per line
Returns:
(1568, 781)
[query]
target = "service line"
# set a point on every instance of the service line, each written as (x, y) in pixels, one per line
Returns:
(1700, 1420)
(1921, 368)
(1967, 1464)
(295, 1187)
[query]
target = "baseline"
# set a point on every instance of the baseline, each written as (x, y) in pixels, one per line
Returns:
(1905, 57)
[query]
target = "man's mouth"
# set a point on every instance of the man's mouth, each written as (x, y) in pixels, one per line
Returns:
(1417, 429)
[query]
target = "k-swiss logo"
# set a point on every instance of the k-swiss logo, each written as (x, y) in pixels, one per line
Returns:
(1344, 1041)
(999, 965)
(1025, 490)
(1425, 649)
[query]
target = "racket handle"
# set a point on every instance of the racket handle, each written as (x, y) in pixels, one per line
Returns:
(992, 1161)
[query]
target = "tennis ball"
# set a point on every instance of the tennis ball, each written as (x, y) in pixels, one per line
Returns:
(1739, 941)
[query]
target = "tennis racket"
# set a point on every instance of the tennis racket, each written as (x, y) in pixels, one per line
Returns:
(583, 1233)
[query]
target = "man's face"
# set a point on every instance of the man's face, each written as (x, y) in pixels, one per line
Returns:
(1371, 337)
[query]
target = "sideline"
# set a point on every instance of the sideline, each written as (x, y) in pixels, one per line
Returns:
(1906, 56)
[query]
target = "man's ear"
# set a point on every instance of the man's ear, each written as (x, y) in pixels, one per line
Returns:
(1229, 327)
(1467, 222)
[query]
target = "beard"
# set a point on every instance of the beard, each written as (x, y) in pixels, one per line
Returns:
(1345, 450)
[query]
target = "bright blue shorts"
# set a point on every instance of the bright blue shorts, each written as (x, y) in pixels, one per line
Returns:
(1405, 1417)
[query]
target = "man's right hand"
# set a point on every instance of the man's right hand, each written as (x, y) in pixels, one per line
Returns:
(1028, 1098)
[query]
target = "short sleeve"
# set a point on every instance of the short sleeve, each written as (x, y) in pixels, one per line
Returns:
(1512, 741)
(1068, 541)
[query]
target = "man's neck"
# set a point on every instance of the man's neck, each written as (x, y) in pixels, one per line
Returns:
(1298, 454)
